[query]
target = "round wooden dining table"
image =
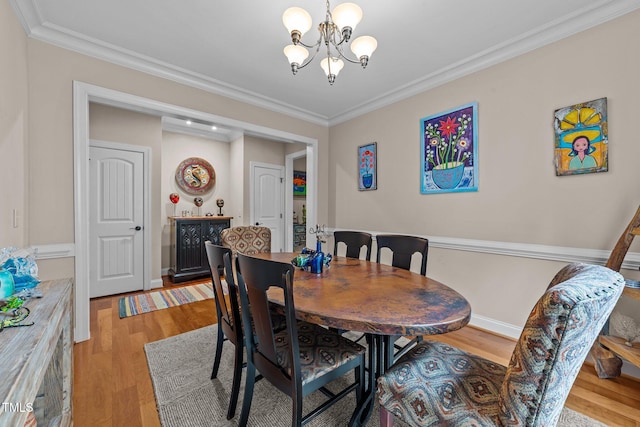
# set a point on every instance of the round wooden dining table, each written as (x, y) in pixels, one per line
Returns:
(379, 300)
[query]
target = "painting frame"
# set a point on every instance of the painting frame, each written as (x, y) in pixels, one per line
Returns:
(449, 150)
(195, 176)
(581, 138)
(299, 183)
(368, 167)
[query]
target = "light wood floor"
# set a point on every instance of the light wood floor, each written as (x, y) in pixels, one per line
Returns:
(112, 386)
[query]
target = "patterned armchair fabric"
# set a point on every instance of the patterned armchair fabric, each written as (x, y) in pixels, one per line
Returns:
(248, 240)
(436, 384)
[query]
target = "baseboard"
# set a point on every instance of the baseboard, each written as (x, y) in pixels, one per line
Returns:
(156, 283)
(495, 326)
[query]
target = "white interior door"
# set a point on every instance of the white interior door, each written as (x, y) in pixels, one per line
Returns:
(116, 221)
(268, 201)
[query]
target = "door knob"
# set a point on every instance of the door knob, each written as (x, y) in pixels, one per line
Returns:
(137, 228)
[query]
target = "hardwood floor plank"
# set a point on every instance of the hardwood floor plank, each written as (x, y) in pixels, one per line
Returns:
(602, 408)
(112, 386)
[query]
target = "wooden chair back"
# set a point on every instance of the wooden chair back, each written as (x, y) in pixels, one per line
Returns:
(403, 248)
(255, 277)
(229, 317)
(354, 241)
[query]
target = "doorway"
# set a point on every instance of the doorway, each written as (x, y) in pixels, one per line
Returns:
(83, 95)
(296, 228)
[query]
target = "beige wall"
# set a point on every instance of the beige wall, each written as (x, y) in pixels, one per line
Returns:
(263, 151)
(128, 127)
(176, 148)
(14, 117)
(237, 181)
(50, 78)
(519, 199)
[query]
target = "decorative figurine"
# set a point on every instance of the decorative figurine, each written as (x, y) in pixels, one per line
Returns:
(174, 198)
(220, 204)
(198, 202)
(317, 260)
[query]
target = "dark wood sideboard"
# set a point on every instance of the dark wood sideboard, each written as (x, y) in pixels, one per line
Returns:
(188, 254)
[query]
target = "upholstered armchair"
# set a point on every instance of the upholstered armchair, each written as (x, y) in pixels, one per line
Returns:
(437, 384)
(247, 239)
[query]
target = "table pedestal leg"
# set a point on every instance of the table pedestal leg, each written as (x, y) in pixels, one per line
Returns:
(376, 359)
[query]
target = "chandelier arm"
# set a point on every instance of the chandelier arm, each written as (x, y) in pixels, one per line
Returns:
(310, 46)
(308, 61)
(343, 56)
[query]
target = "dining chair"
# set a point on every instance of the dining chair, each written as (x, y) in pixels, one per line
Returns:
(402, 249)
(229, 318)
(354, 241)
(438, 384)
(298, 360)
(247, 239)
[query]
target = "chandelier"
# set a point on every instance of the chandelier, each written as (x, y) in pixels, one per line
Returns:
(335, 33)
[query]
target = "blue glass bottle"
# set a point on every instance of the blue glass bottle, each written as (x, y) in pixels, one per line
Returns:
(317, 261)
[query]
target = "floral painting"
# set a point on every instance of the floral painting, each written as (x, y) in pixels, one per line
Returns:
(367, 163)
(299, 183)
(449, 151)
(581, 138)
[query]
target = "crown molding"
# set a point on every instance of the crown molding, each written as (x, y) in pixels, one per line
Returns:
(554, 31)
(98, 49)
(581, 20)
(27, 13)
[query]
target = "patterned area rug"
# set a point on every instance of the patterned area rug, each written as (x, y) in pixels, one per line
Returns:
(180, 368)
(144, 303)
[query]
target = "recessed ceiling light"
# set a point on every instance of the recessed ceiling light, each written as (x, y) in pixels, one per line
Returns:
(214, 127)
(189, 122)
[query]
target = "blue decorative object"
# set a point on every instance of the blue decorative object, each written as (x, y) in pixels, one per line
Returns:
(317, 261)
(301, 261)
(22, 267)
(310, 260)
(7, 286)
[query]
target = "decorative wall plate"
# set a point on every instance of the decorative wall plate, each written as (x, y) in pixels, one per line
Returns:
(195, 176)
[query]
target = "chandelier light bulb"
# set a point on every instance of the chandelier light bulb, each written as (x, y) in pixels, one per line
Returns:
(296, 55)
(332, 70)
(347, 15)
(297, 21)
(363, 47)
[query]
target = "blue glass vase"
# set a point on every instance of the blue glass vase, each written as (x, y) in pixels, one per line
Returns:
(7, 285)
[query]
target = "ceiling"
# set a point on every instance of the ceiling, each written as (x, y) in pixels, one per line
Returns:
(234, 47)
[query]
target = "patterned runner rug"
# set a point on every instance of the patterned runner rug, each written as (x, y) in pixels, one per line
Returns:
(180, 369)
(144, 303)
